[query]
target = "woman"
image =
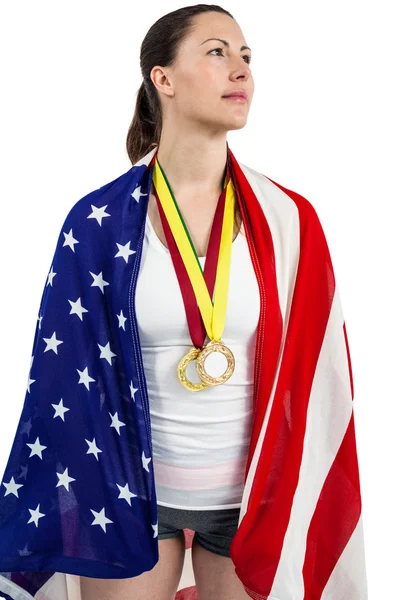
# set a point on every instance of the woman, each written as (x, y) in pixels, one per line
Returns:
(261, 463)
(182, 102)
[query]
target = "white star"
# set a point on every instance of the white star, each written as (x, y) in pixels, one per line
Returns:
(125, 493)
(24, 552)
(99, 281)
(36, 448)
(24, 471)
(93, 449)
(124, 251)
(50, 276)
(101, 519)
(106, 352)
(27, 426)
(29, 382)
(133, 391)
(116, 423)
(145, 462)
(84, 377)
(35, 515)
(52, 343)
(155, 527)
(121, 320)
(137, 193)
(77, 308)
(98, 213)
(12, 487)
(60, 410)
(64, 479)
(40, 321)
(70, 240)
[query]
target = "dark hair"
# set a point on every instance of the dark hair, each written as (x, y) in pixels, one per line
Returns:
(160, 47)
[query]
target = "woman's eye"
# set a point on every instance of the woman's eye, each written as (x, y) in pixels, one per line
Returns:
(244, 56)
(219, 49)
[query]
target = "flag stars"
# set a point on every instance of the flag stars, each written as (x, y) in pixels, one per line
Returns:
(60, 410)
(50, 277)
(77, 308)
(28, 387)
(70, 240)
(93, 449)
(26, 426)
(64, 479)
(155, 527)
(35, 515)
(98, 213)
(145, 462)
(52, 343)
(133, 391)
(116, 423)
(24, 471)
(121, 320)
(12, 487)
(101, 519)
(24, 552)
(99, 281)
(125, 493)
(137, 193)
(36, 449)
(124, 251)
(84, 377)
(106, 352)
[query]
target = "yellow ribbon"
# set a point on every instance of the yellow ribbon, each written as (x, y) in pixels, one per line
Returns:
(213, 313)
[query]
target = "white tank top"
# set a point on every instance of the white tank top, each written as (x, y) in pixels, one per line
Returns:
(200, 439)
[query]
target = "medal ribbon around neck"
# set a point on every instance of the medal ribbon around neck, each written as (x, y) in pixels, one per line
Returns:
(203, 315)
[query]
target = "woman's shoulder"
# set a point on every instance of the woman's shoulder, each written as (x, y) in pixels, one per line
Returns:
(278, 199)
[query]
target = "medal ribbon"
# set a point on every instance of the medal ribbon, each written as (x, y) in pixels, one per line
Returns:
(205, 315)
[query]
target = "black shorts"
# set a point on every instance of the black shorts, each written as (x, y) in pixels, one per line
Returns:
(214, 529)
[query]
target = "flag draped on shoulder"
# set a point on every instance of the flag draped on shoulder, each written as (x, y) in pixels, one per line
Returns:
(78, 494)
(78, 491)
(300, 530)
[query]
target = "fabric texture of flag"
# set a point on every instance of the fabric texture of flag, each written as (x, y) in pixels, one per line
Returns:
(78, 494)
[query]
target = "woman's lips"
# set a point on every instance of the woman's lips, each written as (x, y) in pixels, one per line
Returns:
(241, 99)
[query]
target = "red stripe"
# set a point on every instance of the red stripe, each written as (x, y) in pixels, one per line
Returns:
(258, 548)
(337, 512)
(335, 518)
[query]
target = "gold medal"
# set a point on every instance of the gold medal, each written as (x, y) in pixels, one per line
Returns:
(208, 349)
(182, 366)
(200, 355)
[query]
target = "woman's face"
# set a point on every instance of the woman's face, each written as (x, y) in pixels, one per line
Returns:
(192, 90)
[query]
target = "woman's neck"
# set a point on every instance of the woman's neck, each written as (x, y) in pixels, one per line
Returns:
(193, 165)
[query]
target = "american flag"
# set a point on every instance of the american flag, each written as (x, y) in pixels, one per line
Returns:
(78, 492)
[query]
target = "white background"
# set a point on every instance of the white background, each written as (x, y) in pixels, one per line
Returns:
(324, 122)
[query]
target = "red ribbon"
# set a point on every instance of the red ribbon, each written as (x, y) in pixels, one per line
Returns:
(197, 329)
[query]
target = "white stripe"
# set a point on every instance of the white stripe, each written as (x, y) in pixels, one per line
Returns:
(349, 577)
(329, 412)
(56, 588)
(187, 578)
